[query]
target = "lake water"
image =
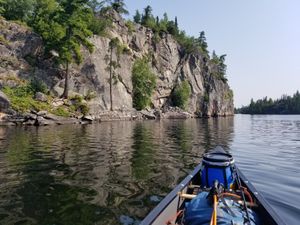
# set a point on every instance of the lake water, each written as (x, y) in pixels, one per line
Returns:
(115, 173)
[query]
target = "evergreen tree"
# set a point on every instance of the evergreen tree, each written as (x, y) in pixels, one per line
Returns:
(113, 44)
(202, 42)
(76, 15)
(285, 105)
(157, 21)
(18, 9)
(119, 6)
(176, 22)
(137, 17)
(147, 15)
(96, 5)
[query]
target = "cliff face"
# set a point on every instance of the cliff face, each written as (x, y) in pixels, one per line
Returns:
(209, 96)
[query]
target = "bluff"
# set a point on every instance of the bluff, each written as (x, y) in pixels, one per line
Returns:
(21, 57)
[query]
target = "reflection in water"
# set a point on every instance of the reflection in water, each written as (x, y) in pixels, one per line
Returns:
(98, 174)
(143, 152)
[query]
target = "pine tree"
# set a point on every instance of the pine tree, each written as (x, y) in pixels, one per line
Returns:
(137, 17)
(119, 6)
(76, 15)
(112, 64)
(147, 15)
(96, 5)
(202, 42)
(176, 22)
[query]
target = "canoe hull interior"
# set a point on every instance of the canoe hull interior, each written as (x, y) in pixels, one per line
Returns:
(167, 209)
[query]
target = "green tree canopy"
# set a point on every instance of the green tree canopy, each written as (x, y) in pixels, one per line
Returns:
(143, 82)
(137, 17)
(18, 9)
(285, 105)
(119, 6)
(181, 94)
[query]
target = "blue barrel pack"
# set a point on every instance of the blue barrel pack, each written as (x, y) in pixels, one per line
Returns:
(217, 166)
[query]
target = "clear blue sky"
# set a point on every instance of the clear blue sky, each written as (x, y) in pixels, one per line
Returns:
(260, 37)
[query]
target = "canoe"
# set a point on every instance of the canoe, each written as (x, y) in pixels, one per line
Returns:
(188, 202)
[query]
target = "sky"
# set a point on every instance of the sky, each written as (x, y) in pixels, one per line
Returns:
(261, 39)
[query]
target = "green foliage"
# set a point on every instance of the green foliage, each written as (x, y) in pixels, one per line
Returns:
(61, 111)
(22, 99)
(147, 16)
(7, 61)
(37, 85)
(18, 9)
(220, 70)
(119, 6)
(284, 105)
(131, 28)
(229, 95)
(202, 42)
(181, 94)
(100, 25)
(90, 95)
(206, 97)
(79, 105)
(137, 17)
(1, 7)
(144, 83)
(3, 40)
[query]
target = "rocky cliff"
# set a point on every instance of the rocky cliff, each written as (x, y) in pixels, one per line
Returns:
(21, 56)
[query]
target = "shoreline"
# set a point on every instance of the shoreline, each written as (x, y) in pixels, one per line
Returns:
(43, 118)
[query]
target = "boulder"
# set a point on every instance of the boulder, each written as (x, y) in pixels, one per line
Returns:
(4, 102)
(41, 97)
(88, 118)
(42, 113)
(148, 115)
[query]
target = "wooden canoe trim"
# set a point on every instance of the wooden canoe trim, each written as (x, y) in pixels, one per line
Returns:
(187, 196)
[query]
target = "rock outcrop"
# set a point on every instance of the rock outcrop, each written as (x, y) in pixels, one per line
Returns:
(4, 102)
(21, 56)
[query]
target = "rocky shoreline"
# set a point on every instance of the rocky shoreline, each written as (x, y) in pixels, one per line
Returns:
(44, 118)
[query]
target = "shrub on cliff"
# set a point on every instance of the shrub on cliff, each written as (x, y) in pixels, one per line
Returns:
(144, 82)
(181, 94)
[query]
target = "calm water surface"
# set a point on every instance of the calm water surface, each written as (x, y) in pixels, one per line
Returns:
(115, 173)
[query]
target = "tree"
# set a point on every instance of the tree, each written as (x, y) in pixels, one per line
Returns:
(143, 82)
(202, 42)
(96, 5)
(119, 6)
(46, 22)
(181, 94)
(147, 15)
(75, 16)
(114, 43)
(222, 65)
(137, 17)
(18, 9)
(176, 22)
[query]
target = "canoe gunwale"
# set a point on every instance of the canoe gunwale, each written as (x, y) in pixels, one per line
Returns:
(267, 210)
(260, 198)
(170, 197)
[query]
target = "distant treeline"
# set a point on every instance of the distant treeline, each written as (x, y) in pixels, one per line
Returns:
(285, 105)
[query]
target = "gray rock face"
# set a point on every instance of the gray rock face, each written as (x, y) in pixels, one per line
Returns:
(40, 97)
(4, 102)
(209, 96)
